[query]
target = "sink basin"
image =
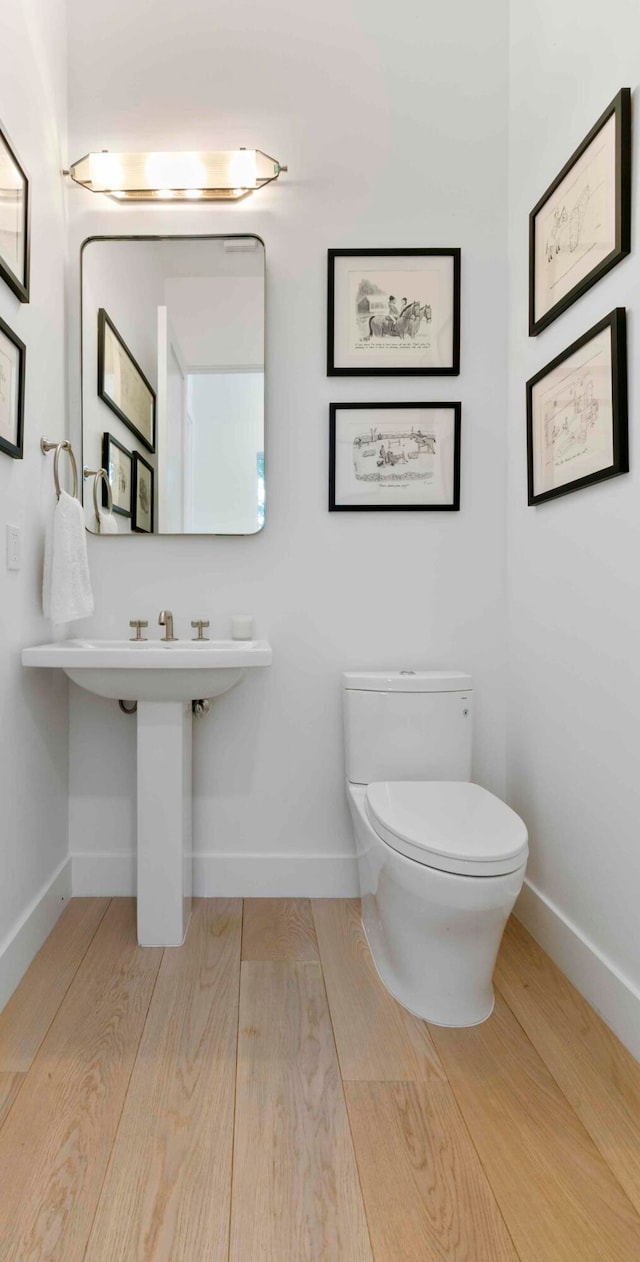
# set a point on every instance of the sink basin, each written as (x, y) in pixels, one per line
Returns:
(150, 670)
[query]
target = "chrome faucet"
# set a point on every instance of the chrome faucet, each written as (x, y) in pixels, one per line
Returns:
(165, 619)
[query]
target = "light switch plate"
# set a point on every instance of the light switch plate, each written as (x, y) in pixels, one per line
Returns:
(14, 548)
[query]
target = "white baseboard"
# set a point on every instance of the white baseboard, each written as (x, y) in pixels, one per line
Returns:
(613, 996)
(103, 875)
(228, 875)
(275, 876)
(27, 936)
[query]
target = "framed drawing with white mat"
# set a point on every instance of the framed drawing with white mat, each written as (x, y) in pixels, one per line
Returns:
(577, 413)
(394, 457)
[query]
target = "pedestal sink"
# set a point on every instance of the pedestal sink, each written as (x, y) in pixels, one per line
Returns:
(164, 678)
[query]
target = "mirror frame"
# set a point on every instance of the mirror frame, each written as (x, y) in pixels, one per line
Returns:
(170, 236)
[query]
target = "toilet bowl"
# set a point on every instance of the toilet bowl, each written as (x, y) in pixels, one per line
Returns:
(441, 861)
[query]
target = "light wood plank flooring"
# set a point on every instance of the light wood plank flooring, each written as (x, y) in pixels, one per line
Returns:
(257, 1096)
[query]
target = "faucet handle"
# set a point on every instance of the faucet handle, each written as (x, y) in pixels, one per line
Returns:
(200, 623)
(138, 624)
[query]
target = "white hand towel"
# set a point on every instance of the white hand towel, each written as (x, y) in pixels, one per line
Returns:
(66, 585)
(107, 523)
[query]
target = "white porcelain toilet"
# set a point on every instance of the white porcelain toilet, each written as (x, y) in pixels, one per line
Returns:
(441, 861)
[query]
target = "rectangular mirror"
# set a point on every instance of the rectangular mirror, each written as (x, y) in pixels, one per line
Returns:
(173, 384)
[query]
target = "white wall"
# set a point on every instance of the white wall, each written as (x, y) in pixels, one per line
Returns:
(395, 135)
(573, 736)
(33, 704)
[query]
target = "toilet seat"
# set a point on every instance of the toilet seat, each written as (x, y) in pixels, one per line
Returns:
(454, 826)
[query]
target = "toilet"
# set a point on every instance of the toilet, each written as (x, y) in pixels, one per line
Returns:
(441, 861)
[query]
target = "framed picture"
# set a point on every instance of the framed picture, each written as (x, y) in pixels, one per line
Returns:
(393, 313)
(143, 491)
(577, 413)
(118, 463)
(12, 362)
(14, 221)
(394, 456)
(122, 384)
(581, 227)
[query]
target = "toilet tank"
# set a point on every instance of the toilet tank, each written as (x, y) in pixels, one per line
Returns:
(407, 725)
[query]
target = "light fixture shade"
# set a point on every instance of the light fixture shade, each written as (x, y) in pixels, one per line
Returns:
(226, 175)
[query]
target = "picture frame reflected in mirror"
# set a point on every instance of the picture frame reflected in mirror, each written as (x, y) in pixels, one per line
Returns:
(142, 495)
(118, 463)
(122, 384)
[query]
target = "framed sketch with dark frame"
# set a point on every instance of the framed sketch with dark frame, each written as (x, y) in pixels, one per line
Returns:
(14, 221)
(142, 495)
(394, 456)
(581, 227)
(122, 384)
(393, 313)
(118, 463)
(577, 413)
(13, 355)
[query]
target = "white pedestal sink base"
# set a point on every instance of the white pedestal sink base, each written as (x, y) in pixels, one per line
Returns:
(162, 677)
(164, 822)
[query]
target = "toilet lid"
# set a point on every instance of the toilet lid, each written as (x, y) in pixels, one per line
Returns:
(452, 825)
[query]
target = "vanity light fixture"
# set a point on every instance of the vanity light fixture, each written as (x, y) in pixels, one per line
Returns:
(226, 175)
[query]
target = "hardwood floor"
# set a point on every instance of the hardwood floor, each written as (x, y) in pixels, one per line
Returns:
(425, 1192)
(597, 1074)
(557, 1195)
(257, 1096)
(56, 1140)
(294, 1167)
(167, 1190)
(278, 929)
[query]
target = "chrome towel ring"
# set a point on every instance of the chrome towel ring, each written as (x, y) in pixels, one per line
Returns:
(99, 475)
(58, 447)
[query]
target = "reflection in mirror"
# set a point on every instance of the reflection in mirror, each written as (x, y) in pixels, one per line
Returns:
(173, 384)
